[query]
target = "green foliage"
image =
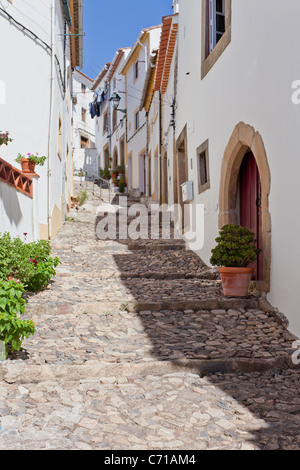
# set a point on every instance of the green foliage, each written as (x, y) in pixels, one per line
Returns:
(121, 186)
(137, 307)
(124, 307)
(12, 329)
(82, 197)
(4, 138)
(236, 247)
(31, 263)
(104, 173)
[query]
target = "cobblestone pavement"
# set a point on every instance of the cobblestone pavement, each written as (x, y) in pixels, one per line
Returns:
(136, 348)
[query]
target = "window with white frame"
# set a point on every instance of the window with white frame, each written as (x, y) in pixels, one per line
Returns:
(216, 32)
(216, 22)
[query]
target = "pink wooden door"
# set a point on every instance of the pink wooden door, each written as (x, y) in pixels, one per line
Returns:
(250, 205)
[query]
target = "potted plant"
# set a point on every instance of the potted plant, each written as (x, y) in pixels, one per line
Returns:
(114, 173)
(29, 162)
(115, 181)
(104, 173)
(235, 252)
(121, 186)
(121, 170)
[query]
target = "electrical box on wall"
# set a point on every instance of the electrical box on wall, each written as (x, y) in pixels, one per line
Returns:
(187, 191)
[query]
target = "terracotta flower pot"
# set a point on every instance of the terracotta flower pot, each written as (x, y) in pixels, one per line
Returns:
(236, 281)
(27, 165)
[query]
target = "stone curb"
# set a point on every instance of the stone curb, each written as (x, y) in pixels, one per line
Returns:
(197, 305)
(22, 374)
(139, 306)
(123, 275)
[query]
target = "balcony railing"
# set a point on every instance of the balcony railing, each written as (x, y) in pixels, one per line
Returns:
(15, 178)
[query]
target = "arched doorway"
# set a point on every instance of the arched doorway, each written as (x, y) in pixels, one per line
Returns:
(246, 182)
(249, 201)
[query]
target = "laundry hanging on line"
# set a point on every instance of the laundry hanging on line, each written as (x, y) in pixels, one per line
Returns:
(96, 105)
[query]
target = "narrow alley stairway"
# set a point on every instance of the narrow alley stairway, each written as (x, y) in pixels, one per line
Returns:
(136, 348)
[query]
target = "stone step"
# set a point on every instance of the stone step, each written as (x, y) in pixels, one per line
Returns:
(166, 276)
(200, 305)
(156, 245)
(110, 373)
(192, 304)
(143, 291)
(207, 337)
(123, 275)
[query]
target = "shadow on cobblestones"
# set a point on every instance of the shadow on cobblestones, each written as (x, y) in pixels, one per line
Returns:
(220, 336)
(272, 397)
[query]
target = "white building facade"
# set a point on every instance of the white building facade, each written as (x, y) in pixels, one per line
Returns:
(110, 123)
(135, 72)
(100, 112)
(83, 124)
(39, 34)
(237, 130)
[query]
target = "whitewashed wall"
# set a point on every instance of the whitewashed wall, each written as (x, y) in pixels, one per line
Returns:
(88, 159)
(101, 139)
(80, 128)
(117, 85)
(19, 212)
(251, 82)
(26, 113)
(137, 139)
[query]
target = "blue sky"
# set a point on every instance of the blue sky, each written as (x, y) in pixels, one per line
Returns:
(111, 24)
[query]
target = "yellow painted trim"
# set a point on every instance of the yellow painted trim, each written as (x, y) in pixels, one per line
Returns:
(56, 220)
(126, 131)
(44, 232)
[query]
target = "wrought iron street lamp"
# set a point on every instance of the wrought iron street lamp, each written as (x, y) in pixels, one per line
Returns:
(115, 99)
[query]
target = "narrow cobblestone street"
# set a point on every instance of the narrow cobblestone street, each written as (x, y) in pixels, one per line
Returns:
(136, 348)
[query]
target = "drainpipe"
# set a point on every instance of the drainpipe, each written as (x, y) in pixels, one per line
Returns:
(50, 119)
(160, 148)
(109, 119)
(67, 12)
(64, 140)
(146, 51)
(148, 172)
